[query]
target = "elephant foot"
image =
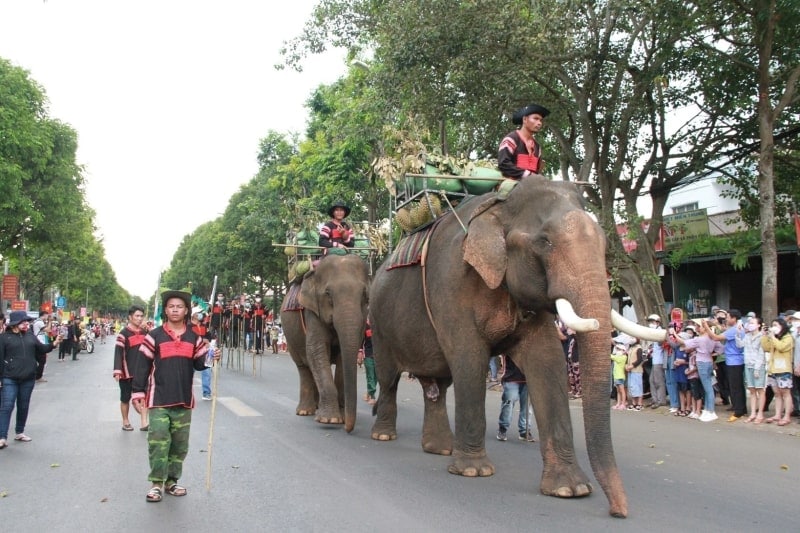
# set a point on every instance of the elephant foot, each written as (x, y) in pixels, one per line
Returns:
(383, 432)
(305, 411)
(479, 466)
(438, 445)
(565, 482)
(329, 419)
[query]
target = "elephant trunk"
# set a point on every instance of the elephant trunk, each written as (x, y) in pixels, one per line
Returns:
(587, 290)
(596, 387)
(351, 339)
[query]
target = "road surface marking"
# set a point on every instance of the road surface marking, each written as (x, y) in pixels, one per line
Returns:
(237, 407)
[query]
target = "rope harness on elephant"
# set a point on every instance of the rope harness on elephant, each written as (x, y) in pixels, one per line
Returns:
(502, 193)
(423, 262)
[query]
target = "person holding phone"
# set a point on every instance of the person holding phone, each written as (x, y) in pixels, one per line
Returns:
(780, 344)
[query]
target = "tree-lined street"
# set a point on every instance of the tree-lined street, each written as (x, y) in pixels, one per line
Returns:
(275, 471)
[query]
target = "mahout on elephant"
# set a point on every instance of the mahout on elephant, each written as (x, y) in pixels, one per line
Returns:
(323, 318)
(491, 278)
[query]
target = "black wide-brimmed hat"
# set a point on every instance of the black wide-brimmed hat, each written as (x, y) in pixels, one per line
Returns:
(519, 114)
(339, 203)
(18, 317)
(183, 295)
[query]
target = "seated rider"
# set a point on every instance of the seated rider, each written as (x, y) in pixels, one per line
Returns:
(336, 233)
(520, 154)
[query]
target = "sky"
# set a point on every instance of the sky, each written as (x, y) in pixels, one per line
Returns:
(169, 99)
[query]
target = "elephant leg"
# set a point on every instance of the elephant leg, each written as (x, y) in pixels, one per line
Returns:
(309, 397)
(545, 370)
(436, 434)
(385, 409)
(469, 451)
(319, 359)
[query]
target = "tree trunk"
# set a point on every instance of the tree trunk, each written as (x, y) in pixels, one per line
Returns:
(766, 185)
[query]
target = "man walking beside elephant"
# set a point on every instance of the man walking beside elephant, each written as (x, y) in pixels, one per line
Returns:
(515, 389)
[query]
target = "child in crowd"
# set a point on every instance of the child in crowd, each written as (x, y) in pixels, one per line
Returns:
(696, 387)
(619, 357)
(635, 374)
(678, 371)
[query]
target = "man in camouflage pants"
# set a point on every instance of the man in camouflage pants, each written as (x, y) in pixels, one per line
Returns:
(171, 353)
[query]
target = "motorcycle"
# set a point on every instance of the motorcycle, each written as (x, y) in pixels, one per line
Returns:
(87, 342)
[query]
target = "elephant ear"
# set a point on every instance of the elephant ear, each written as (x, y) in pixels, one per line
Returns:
(308, 293)
(485, 248)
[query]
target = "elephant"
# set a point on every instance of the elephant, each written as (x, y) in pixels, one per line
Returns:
(497, 270)
(329, 330)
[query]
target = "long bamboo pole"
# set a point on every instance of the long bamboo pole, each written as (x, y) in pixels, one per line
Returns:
(215, 375)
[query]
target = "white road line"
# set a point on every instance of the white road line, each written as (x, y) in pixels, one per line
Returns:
(237, 407)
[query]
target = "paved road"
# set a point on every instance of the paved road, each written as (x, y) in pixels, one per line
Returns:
(274, 471)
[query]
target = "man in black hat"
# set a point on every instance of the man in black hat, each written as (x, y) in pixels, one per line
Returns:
(170, 355)
(520, 155)
(336, 233)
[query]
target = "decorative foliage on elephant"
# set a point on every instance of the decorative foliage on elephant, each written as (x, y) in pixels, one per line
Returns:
(327, 328)
(493, 279)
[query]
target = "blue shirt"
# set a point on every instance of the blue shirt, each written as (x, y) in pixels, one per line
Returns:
(733, 354)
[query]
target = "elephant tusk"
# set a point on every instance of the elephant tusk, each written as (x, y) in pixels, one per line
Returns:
(572, 320)
(640, 332)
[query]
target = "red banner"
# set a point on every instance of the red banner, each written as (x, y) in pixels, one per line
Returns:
(19, 305)
(10, 287)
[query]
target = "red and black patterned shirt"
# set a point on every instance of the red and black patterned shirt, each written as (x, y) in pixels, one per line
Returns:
(126, 352)
(168, 366)
(517, 158)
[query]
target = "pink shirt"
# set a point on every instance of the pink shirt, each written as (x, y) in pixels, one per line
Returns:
(703, 346)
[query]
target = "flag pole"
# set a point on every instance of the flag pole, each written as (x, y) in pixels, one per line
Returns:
(210, 445)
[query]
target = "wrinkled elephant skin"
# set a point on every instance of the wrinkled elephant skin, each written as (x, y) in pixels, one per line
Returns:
(493, 291)
(329, 331)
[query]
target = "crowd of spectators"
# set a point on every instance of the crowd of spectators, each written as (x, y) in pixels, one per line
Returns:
(734, 362)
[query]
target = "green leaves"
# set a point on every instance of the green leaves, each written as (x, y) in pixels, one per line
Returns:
(46, 228)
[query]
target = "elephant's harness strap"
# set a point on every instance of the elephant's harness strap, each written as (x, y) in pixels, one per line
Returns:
(423, 262)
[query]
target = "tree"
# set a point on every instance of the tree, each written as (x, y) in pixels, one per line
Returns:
(40, 181)
(605, 69)
(41, 186)
(755, 49)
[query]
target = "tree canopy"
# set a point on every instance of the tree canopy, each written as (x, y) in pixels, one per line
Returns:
(46, 227)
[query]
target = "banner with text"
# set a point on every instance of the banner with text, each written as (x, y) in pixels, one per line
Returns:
(683, 227)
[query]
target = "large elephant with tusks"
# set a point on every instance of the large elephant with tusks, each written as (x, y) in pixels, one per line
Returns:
(492, 278)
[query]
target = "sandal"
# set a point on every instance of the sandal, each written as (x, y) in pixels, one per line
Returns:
(772, 419)
(751, 418)
(176, 490)
(22, 437)
(758, 420)
(154, 495)
(784, 422)
(144, 428)
(127, 427)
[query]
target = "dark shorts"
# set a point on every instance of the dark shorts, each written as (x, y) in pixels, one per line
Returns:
(697, 389)
(125, 390)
